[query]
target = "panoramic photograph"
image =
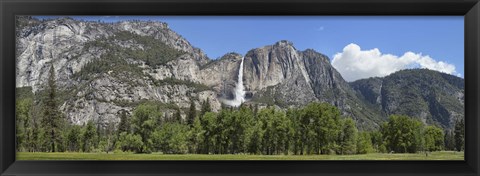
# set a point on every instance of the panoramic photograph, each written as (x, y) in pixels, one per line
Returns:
(240, 88)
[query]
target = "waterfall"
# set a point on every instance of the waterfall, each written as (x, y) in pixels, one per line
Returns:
(239, 89)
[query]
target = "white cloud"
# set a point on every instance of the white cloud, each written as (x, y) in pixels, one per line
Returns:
(354, 63)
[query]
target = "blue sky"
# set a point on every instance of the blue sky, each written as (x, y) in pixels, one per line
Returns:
(439, 37)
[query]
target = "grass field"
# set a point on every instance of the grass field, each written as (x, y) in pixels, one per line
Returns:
(444, 155)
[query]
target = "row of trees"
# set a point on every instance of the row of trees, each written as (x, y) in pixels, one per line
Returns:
(317, 128)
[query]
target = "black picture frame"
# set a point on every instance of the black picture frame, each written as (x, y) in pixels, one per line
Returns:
(470, 9)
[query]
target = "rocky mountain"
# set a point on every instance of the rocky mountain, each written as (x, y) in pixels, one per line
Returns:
(434, 97)
(103, 68)
(281, 75)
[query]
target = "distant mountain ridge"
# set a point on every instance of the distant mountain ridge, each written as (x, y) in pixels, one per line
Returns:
(434, 97)
(104, 68)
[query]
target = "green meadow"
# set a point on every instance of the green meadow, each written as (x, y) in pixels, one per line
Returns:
(441, 155)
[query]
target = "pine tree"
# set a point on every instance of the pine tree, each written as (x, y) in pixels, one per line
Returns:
(195, 137)
(206, 107)
(177, 116)
(51, 116)
(449, 140)
(460, 135)
(192, 113)
(99, 136)
(255, 110)
(73, 138)
(109, 137)
(34, 140)
(89, 136)
(124, 125)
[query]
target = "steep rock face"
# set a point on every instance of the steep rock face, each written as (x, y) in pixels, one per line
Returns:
(270, 65)
(327, 83)
(62, 41)
(433, 97)
(222, 74)
(102, 68)
(281, 75)
(278, 72)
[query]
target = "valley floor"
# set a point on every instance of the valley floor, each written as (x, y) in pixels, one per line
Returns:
(443, 155)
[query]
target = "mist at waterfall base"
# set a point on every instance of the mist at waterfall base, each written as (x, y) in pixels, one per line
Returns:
(239, 89)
